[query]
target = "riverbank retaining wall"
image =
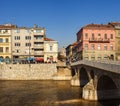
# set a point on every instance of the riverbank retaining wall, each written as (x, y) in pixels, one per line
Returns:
(27, 71)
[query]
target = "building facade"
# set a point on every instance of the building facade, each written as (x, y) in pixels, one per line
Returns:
(5, 41)
(96, 42)
(71, 52)
(28, 42)
(25, 43)
(116, 25)
(50, 50)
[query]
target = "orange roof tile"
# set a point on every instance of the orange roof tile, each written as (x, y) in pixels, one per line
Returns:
(114, 23)
(7, 26)
(48, 39)
(98, 26)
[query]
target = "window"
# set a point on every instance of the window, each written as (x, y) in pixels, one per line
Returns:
(1, 49)
(38, 37)
(118, 33)
(111, 47)
(1, 40)
(17, 31)
(105, 47)
(7, 49)
(105, 57)
(17, 51)
(27, 37)
(51, 48)
(86, 58)
(86, 46)
(111, 36)
(39, 31)
(93, 37)
(27, 30)
(6, 31)
(105, 36)
(7, 40)
(92, 57)
(99, 36)
(17, 37)
(27, 44)
(86, 35)
(93, 47)
(17, 44)
(99, 47)
(99, 57)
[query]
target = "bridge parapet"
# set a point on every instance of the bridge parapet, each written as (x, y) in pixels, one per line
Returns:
(112, 66)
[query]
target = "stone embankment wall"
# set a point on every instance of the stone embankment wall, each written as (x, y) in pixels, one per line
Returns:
(63, 73)
(27, 72)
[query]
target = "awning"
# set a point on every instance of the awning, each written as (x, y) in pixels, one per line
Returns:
(39, 59)
(30, 59)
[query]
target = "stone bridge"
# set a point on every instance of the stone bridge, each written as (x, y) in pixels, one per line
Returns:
(100, 79)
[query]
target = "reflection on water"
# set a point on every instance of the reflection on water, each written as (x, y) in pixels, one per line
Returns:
(44, 93)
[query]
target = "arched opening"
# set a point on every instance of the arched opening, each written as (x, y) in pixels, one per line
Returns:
(106, 88)
(73, 72)
(92, 74)
(1, 58)
(7, 59)
(84, 79)
(111, 57)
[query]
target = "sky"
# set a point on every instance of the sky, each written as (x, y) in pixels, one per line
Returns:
(61, 18)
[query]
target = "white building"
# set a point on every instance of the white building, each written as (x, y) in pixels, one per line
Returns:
(50, 50)
(28, 42)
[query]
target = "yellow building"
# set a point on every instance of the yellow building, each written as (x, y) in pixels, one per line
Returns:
(5, 41)
(116, 25)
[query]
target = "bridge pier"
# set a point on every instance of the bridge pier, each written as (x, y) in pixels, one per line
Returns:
(89, 92)
(75, 81)
(100, 80)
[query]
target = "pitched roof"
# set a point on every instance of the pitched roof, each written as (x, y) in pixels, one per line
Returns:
(48, 39)
(75, 43)
(7, 26)
(114, 23)
(98, 26)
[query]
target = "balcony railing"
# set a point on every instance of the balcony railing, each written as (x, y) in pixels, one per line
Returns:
(112, 66)
(39, 53)
(38, 40)
(99, 40)
(38, 46)
(5, 33)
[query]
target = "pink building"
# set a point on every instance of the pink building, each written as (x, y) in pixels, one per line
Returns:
(96, 42)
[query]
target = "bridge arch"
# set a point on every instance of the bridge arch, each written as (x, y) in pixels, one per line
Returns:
(73, 71)
(92, 74)
(83, 77)
(105, 87)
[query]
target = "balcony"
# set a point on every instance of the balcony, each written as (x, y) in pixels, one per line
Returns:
(38, 46)
(38, 39)
(100, 40)
(5, 33)
(38, 53)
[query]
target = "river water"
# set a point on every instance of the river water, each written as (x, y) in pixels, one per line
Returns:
(45, 93)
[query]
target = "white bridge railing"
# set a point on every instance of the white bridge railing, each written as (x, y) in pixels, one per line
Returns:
(112, 66)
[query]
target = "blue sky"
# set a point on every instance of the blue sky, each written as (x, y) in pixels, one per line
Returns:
(61, 18)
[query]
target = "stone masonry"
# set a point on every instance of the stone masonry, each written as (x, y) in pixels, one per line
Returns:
(27, 72)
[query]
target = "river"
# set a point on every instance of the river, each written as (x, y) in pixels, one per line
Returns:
(45, 93)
